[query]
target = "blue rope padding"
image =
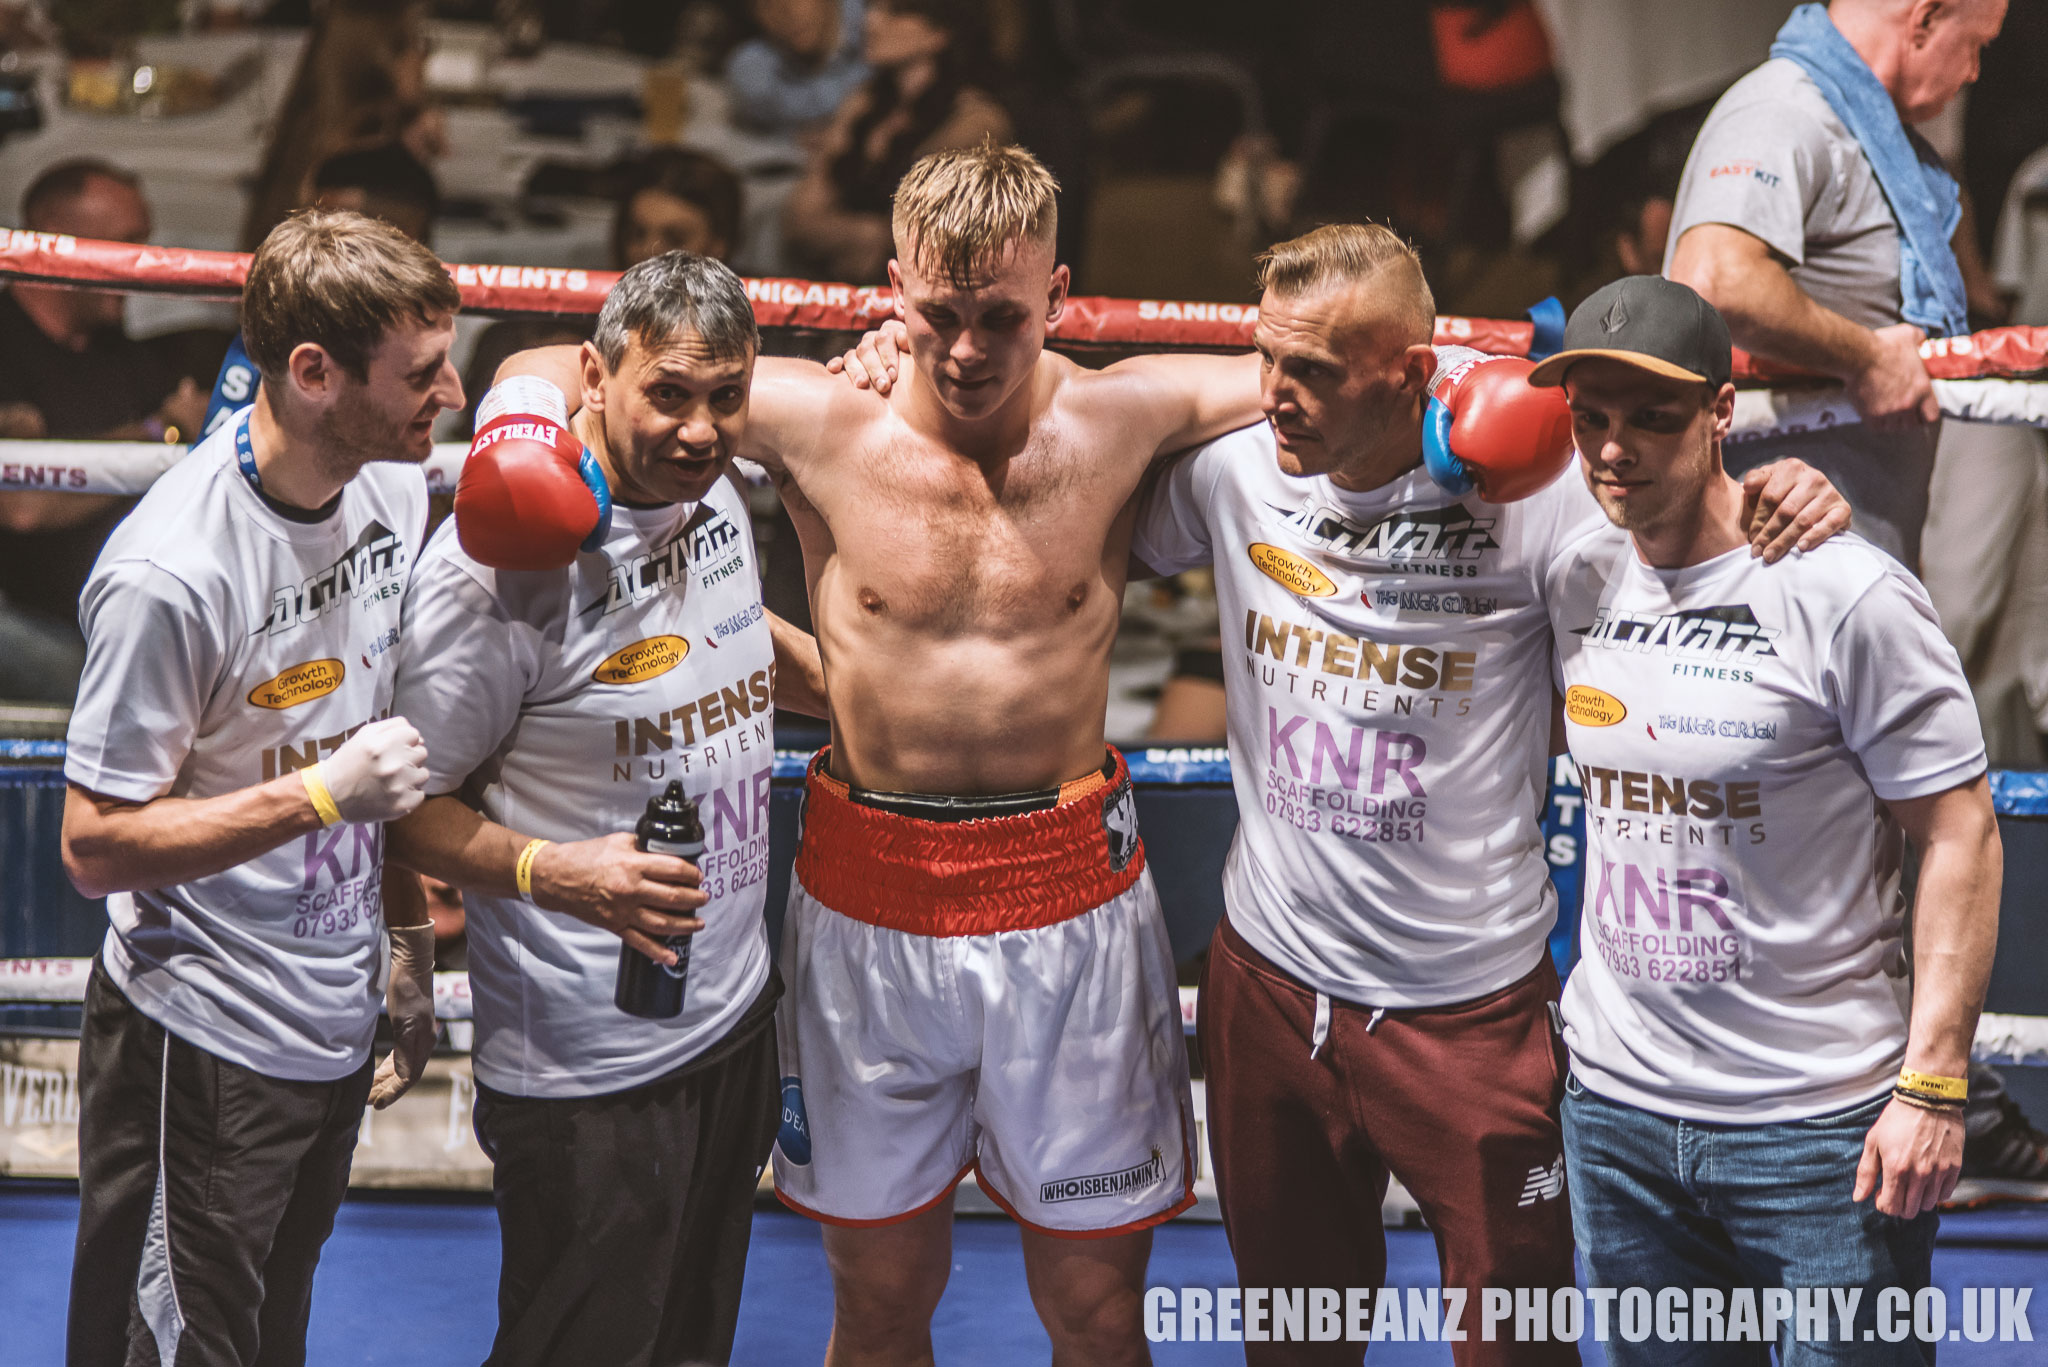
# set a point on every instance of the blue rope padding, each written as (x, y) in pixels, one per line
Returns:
(14, 748)
(1180, 768)
(1175, 767)
(2019, 792)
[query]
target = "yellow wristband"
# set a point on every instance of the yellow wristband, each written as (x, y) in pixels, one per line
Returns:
(1933, 1084)
(323, 801)
(522, 872)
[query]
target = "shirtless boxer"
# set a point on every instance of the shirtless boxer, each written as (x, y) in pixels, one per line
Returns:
(1388, 961)
(961, 994)
(965, 542)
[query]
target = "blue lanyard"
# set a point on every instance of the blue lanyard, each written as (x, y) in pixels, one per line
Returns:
(245, 457)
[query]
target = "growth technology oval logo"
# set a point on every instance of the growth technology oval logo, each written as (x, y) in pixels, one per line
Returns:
(300, 683)
(1290, 571)
(642, 660)
(1591, 707)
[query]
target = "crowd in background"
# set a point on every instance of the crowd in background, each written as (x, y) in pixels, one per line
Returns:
(1186, 134)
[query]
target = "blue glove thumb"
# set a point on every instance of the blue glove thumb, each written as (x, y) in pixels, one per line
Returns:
(601, 490)
(1444, 467)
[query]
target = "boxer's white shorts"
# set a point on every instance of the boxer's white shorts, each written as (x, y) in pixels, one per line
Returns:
(1049, 1061)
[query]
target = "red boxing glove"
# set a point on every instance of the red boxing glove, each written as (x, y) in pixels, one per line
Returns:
(1489, 429)
(530, 495)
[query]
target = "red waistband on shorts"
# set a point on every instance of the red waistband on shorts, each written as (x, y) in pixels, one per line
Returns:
(969, 877)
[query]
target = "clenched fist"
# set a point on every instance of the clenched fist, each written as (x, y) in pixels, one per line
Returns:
(379, 773)
(1893, 392)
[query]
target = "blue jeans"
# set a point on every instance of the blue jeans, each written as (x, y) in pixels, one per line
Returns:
(1658, 1201)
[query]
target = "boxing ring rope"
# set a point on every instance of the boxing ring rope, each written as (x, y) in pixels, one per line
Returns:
(1985, 377)
(130, 467)
(2001, 1038)
(1089, 320)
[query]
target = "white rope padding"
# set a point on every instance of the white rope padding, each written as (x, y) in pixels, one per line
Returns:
(2011, 1039)
(1761, 413)
(2000, 1038)
(48, 981)
(130, 467)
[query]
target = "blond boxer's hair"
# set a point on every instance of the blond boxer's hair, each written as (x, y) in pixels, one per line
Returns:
(959, 211)
(340, 281)
(1353, 253)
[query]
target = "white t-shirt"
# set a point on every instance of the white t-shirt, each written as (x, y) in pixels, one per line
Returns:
(558, 703)
(226, 644)
(1737, 727)
(1387, 682)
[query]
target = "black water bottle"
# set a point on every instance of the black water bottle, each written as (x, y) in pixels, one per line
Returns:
(646, 988)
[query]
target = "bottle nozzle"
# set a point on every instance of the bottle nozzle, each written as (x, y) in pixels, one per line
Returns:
(671, 817)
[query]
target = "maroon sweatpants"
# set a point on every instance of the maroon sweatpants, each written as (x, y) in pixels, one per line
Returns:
(1460, 1102)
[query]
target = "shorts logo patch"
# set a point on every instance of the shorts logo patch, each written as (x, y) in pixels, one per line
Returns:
(795, 1136)
(1132, 1178)
(1120, 825)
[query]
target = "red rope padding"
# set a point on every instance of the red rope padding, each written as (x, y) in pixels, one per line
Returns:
(1089, 319)
(777, 302)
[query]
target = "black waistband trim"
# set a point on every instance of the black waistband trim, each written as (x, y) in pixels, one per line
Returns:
(957, 807)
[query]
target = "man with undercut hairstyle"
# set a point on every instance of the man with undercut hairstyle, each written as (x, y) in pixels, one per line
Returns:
(1379, 999)
(1767, 1079)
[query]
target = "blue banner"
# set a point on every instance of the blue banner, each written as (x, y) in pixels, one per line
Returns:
(234, 388)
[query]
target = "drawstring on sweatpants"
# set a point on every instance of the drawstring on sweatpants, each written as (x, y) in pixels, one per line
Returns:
(1321, 1034)
(1322, 1030)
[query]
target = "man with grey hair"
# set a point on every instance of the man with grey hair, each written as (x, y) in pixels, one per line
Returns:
(561, 701)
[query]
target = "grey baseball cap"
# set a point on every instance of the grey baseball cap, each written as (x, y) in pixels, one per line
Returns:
(1648, 322)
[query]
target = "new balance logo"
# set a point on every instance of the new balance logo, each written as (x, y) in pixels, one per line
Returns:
(1727, 632)
(1437, 534)
(1544, 1184)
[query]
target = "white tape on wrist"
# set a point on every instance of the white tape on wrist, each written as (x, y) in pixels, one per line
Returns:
(524, 394)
